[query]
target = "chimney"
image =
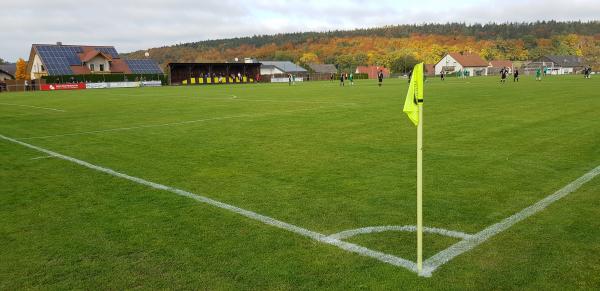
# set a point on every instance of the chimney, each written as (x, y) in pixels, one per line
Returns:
(59, 43)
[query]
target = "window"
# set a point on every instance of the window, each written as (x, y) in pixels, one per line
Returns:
(92, 67)
(43, 69)
(101, 67)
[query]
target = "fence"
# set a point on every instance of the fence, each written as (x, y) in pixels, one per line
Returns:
(100, 78)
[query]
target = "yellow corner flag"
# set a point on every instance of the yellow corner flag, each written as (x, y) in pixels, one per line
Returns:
(415, 94)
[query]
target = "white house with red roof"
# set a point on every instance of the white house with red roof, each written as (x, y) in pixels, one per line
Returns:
(60, 60)
(473, 64)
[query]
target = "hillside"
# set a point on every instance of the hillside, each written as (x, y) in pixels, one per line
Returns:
(398, 47)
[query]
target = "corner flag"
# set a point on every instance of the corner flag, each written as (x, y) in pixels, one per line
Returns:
(415, 94)
(413, 107)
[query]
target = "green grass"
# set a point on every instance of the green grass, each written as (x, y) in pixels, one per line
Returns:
(314, 155)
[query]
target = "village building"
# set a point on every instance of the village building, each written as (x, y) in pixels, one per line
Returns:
(70, 60)
(461, 63)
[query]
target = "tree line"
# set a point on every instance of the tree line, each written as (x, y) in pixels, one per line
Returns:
(398, 47)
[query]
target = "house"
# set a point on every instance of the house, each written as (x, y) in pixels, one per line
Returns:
(470, 63)
(281, 68)
(59, 60)
(497, 65)
(325, 69)
(7, 72)
(372, 71)
(560, 65)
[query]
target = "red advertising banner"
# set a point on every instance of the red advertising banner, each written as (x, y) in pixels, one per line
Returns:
(52, 87)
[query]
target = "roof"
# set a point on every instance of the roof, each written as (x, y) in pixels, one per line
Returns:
(62, 59)
(323, 68)
(142, 66)
(566, 61)
(9, 69)
(285, 66)
(468, 60)
(216, 63)
(366, 69)
(87, 56)
(501, 64)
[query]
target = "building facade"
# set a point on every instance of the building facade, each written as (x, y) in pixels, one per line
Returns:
(64, 60)
(461, 63)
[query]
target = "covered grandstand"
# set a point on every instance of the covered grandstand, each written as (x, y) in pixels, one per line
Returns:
(213, 73)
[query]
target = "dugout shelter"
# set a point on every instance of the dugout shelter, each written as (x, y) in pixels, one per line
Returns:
(213, 73)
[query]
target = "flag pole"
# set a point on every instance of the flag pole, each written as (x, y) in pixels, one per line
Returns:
(420, 189)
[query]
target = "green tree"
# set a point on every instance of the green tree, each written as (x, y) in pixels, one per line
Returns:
(402, 63)
(2, 61)
(345, 63)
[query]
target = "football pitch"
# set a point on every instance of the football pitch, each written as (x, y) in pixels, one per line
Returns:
(271, 186)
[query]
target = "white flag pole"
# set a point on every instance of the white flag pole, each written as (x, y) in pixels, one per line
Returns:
(420, 189)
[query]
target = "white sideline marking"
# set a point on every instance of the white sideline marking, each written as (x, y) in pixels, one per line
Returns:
(429, 266)
(461, 247)
(41, 157)
(36, 107)
(409, 228)
(173, 123)
(390, 259)
(293, 101)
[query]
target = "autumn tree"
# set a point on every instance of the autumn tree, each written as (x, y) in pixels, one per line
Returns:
(21, 72)
(308, 58)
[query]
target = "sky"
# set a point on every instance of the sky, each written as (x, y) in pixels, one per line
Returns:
(131, 25)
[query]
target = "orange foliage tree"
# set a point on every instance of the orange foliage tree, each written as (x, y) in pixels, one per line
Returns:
(21, 72)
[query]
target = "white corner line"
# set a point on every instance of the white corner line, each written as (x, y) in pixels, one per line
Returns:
(177, 123)
(429, 266)
(466, 245)
(350, 247)
(407, 228)
(41, 157)
(36, 107)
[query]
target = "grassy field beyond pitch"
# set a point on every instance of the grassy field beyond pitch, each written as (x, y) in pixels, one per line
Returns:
(314, 155)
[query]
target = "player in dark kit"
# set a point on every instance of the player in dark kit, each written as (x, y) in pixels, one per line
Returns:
(380, 77)
(516, 76)
(342, 77)
(503, 73)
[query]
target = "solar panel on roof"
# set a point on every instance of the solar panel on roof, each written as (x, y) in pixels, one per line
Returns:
(143, 67)
(58, 59)
(108, 50)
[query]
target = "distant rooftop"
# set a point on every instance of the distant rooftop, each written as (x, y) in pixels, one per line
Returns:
(285, 66)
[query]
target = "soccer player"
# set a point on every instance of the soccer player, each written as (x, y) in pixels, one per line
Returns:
(442, 75)
(380, 77)
(351, 78)
(342, 83)
(538, 74)
(503, 73)
(516, 76)
(290, 79)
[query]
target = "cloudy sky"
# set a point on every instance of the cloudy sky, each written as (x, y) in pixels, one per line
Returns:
(131, 24)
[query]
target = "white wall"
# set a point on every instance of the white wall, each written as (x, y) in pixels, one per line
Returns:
(472, 71)
(97, 61)
(447, 61)
(270, 71)
(37, 67)
(4, 77)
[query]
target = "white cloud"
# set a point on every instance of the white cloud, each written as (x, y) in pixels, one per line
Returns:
(133, 25)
